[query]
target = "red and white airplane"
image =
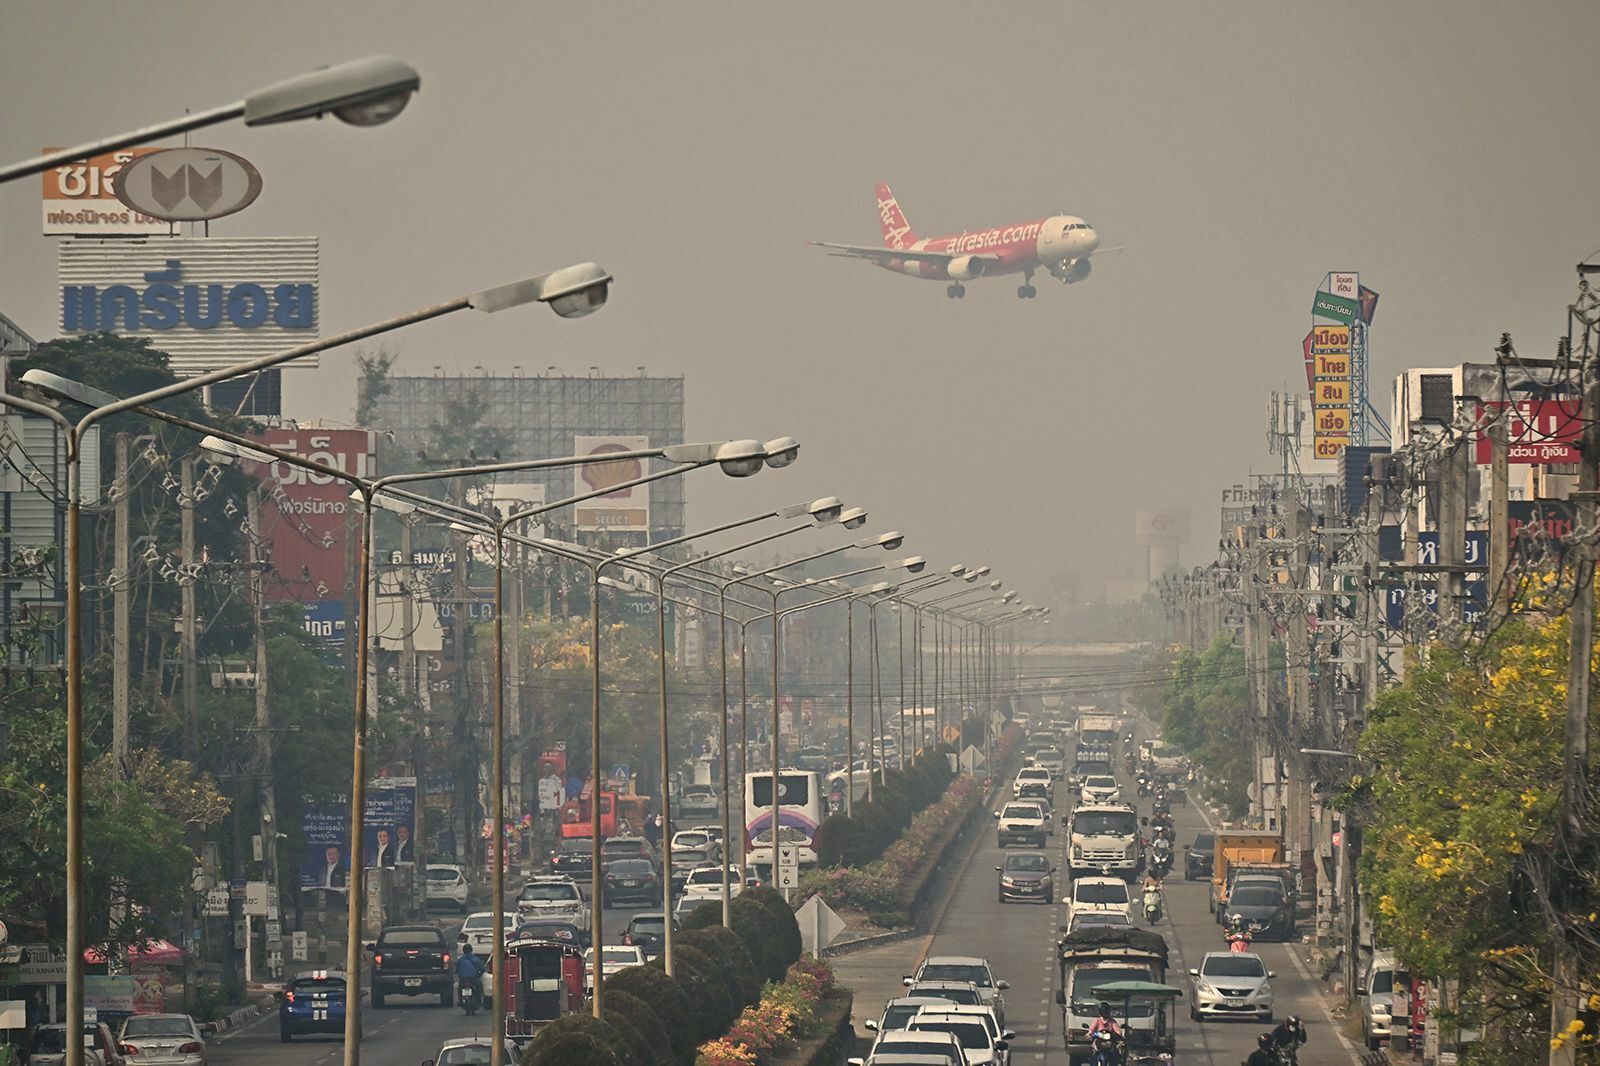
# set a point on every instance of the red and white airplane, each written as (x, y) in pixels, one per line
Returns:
(1060, 245)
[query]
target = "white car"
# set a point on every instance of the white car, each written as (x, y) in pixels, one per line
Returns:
(478, 929)
(446, 886)
(978, 1044)
(1031, 774)
(1099, 788)
(553, 896)
(898, 1012)
(470, 1051)
(691, 839)
(903, 1045)
(1099, 894)
(1098, 920)
(617, 957)
(1022, 822)
(1231, 984)
(1052, 759)
(1002, 1037)
(705, 882)
(966, 968)
(163, 1039)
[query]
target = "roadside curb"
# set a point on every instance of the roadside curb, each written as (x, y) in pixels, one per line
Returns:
(237, 1019)
(872, 941)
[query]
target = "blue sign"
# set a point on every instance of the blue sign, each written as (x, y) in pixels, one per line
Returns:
(1476, 549)
(324, 619)
(1473, 606)
(166, 303)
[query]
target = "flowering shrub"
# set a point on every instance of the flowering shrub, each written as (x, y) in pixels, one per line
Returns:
(785, 1013)
(878, 888)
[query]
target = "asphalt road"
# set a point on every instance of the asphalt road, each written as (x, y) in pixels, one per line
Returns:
(1019, 941)
(408, 1030)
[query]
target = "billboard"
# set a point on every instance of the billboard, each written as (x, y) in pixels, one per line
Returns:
(1536, 430)
(1167, 527)
(390, 821)
(625, 510)
(306, 515)
(81, 199)
(1330, 365)
(207, 302)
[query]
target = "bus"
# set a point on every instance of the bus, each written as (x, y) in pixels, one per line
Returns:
(800, 793)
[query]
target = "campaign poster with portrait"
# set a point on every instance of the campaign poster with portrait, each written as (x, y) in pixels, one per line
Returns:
(391, 821)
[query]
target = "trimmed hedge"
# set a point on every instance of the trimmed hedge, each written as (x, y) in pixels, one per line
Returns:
(860, 838)
(666, 996)
(759, 930)
(644, 1020)
(788, 926)
(575, 1040)
(713, 990)
(725, 946)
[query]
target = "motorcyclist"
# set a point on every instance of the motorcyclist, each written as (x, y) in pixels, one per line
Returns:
(1290, 1034)
(469, 969)
(1105, 1024)
(1262, 1055)
(1152, 895)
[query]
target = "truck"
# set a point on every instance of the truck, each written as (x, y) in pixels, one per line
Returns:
(1104, 840)
(1236, 846)
(412, 960)
(1102, 955)
(1097, 729)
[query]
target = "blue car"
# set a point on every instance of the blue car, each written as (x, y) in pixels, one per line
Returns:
(312, 1002)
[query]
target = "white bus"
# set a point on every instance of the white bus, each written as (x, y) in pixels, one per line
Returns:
(800, 811)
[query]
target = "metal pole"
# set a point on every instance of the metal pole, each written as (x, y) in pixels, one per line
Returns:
(666, 769)
(850, 708)
(596, 910)
(497, 962)
(776, 636)
(358, 797)
(191, 714)
(122, 597)
(74, 764)
(722, 736)
(900, 653)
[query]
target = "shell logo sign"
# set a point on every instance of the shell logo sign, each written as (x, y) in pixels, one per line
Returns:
(622, 510)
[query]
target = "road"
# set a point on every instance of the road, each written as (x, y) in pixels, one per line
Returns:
(408, 1030)
(1019, 941)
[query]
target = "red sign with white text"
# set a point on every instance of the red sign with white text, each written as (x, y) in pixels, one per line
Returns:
(304, 520)
(1536, 431)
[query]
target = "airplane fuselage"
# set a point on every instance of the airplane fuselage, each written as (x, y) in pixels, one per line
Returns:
(1053, 244)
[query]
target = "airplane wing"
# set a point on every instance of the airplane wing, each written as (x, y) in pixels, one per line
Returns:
(883, 255)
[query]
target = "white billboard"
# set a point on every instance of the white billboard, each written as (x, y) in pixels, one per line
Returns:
(624, 510)
(207, 302)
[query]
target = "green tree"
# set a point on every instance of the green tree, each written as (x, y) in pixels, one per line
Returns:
(1206, 711)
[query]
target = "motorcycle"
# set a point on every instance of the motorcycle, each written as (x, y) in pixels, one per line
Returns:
(1238, 941)
(1152, 907)
(468, 992)
(1161, 860)
(1104, 1050)
(1286, 1056)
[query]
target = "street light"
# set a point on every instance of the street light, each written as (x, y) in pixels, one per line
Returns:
(364, 92)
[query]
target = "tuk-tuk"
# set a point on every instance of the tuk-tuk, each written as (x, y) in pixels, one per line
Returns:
(545, 980)
(1146, 1046)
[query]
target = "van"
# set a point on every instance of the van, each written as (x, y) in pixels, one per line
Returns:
(1385, 1008)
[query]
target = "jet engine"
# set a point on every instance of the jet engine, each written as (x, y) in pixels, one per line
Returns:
(965, 267)
(1077, 271)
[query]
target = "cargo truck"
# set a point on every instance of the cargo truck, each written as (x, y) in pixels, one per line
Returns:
(1236, 846)
(1090, 958)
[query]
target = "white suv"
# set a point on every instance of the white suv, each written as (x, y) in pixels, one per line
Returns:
(446, 886)
(1099, 788)
(1231, 984)
(553, 897)
(1022, 823)
(1030, 775)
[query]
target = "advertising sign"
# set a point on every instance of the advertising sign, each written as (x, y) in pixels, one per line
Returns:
(625, 510)
(81, 198)
(1327, 339)
(1328, 446)
(1332, 422)
(1161, 528)
(391, 819)
(326, 864)
(207, 302)
(1536, 431)
(109, 995)
(1332, 366)
(188, 184)
(306, 516)
(1332, 393)
(1334, 308)
(1346, 285)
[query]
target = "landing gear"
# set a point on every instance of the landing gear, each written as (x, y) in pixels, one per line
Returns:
(956, 291)
(1026, 291)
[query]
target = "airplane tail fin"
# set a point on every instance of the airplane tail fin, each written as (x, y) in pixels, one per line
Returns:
(896, 230)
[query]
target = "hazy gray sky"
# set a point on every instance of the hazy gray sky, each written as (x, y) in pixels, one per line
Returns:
(1237, 150)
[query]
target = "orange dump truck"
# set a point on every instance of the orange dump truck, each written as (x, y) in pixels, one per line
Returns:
(1235, 846)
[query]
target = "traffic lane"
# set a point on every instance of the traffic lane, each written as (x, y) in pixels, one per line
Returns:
(408, 1031)
(1191, 930)
(1018, 939)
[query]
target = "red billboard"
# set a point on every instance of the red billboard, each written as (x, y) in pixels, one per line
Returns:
(305, 518)
(1537, 431)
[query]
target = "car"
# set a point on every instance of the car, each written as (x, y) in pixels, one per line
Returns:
(1098, 919)
(1231, 984)
(1099, 788)
(978, 1044)
(964, 992)
(1260, 903)
(311, 1002)
(705, 882)
(689, 904)
(630, 881)
(899, 1011)
(1198, 856)
(573, 858)
(553, 896)
(48, 1046)
(645, 932)
(686, 860)
(1037, 775)
(690, 838)
(699, 801)
(1099, 894)
(986, 1016)
(553, 929)
(1377, 1000)
(712, 832)
(615, 959)
(478, 929)
(412, 960)
(1052, 759)
(1027, 876)
(1022, 823)
(445, 886)
(628, 848)
(162, 1040)
(966, 968)
(928, 1043)
(470, 1051)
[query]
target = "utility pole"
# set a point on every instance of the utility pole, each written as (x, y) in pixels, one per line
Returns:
(352, 533)
(264, 739)
(466, 783)
(121, 603)
(1499, 517)
(411, 686)
(191, 719)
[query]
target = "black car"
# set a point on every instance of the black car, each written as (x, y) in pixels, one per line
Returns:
(1264, 908)
(631, 880)
(572, 857)
(552, 929)
(1027, 876)
(685, 861)
(645, 932)
(1198, 857)
(1034, 790)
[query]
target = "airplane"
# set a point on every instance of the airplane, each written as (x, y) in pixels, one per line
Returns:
(1061, 245)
